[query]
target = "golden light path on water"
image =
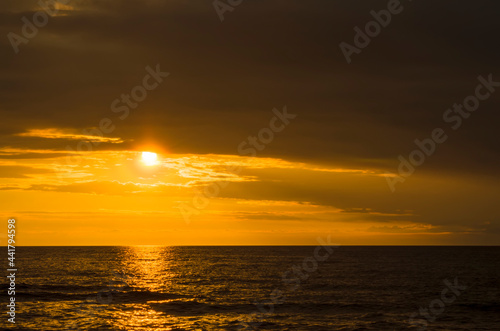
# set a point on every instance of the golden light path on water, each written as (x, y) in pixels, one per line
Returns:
(170, 291)
(146, 267)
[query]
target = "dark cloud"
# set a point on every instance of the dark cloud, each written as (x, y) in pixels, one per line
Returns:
(20, 156)
(226, 77)
(268, 216)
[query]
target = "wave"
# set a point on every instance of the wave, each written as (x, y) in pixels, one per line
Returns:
(98, 294)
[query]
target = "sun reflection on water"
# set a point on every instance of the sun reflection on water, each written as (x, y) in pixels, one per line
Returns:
(149, 267)
(149, 273)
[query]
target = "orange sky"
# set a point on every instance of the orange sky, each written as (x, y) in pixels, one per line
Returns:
(115, 198)
(102, 82)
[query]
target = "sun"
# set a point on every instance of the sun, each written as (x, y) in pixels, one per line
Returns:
(149, 158)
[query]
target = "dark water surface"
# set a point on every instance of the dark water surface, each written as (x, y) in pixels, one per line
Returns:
(216, 288)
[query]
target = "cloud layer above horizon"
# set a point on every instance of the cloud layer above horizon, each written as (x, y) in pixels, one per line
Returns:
(324, 172)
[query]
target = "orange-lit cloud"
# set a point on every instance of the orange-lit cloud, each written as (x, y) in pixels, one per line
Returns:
(324, 173)
(279, 200)
(65, 134)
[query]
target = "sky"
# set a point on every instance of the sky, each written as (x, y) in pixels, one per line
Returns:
(264, 132)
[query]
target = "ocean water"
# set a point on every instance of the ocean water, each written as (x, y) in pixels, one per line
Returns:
(264, 288)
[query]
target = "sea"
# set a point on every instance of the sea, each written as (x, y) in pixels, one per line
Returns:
(255, 288)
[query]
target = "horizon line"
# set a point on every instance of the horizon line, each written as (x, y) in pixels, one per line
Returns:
(333, 245)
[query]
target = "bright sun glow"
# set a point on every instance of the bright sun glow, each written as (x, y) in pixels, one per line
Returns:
(149, 158)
